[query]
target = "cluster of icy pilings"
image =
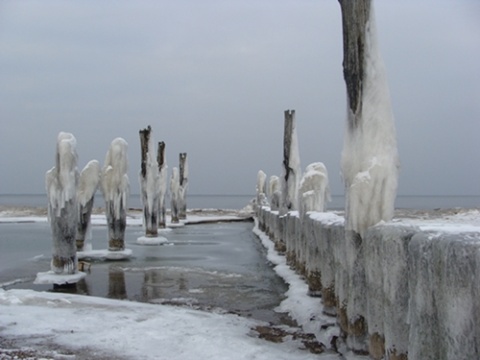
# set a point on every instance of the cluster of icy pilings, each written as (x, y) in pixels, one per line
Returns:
(421, 288)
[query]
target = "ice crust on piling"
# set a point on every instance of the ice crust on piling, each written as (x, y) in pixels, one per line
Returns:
(61, 185)
(370, 159)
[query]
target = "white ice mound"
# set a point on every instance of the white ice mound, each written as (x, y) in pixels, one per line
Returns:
(176, 225)
(158, 240)
(104, 254)
(50, 277)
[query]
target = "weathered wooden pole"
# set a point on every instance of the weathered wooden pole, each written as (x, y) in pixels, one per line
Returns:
(369, 161)
(174, 195)
(87, 186)
(61, 184)
(162, 168)
(182, 206)
(149, 183)
(115, 188)
(291, 170)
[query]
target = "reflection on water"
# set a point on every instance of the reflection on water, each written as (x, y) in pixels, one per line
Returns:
(211, 266)
(116, 283)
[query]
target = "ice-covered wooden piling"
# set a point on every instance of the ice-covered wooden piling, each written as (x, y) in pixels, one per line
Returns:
(183, 186)
(421, 287)
(291, 171)
(149, 183)
(174, 195)
(162, 169)
(115, 188)
(61, 185)
(369, 157)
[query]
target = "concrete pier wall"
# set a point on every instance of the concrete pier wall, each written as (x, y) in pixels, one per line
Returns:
(421, 288)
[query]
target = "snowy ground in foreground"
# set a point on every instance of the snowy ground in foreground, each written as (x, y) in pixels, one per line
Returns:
(61, 324)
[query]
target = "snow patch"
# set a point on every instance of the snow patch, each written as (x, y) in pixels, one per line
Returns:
(50, 277)
(147, 240)
(105, 254)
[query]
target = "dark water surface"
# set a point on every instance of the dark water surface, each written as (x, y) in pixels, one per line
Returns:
(210, 266)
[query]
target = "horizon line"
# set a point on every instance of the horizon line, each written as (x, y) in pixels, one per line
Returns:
(253, 195)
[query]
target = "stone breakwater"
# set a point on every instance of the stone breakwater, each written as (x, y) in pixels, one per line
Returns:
(420, 279)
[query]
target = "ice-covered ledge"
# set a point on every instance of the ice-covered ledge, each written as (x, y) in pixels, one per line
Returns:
(422, 274)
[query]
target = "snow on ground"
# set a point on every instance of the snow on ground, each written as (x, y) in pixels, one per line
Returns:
(149, 240)
(102, 328)
(104, 254)
(134, 217)
(50, 277)
(306, 310)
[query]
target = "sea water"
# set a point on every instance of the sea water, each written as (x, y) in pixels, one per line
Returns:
(238, 202)
(218, 266)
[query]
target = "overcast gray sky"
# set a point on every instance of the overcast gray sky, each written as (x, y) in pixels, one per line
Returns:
(213, 78)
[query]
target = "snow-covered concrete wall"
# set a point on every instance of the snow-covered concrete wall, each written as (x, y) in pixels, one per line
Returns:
(422, 287)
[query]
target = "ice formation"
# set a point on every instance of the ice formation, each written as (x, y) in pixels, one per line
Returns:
(61, 186)
(183, 186)
(87, 186)
(261, 189)
(149, 179)
(369, 160)
(274, 192)
(314, 191)
(291, 170)
(115, 189)
(174, 194)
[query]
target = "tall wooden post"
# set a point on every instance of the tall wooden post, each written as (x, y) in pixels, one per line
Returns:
(355, 15)
(369, 162)
(182, 206)
(174, 195)
(149, 183)
(291, 170)
(162, 168)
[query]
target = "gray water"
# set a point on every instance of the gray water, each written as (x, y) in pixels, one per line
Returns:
(240, 201)
(210, 266)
